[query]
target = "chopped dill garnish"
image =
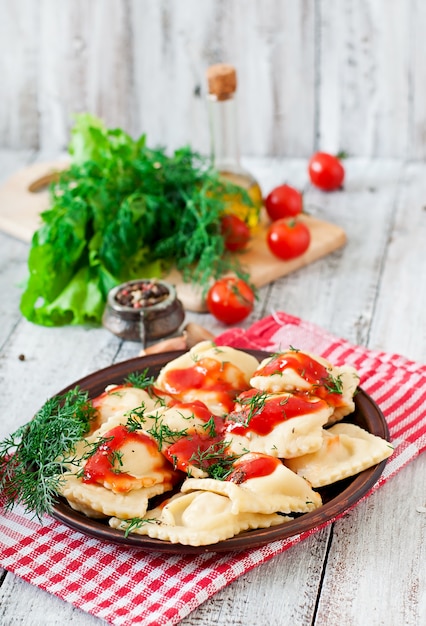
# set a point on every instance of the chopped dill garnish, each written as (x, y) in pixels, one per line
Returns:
(141, 380)
(34, 457)
(253, 405)
(115, 458)
(163, 434)
(333, 384)
(136, 522)
(118, 393)
(136, 419)
(221, 471)
(92, 447)
(215, 460)
(210, 427)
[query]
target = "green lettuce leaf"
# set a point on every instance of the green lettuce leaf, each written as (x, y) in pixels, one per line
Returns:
(122, 211)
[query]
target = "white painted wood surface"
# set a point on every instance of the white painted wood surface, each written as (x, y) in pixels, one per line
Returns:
(330, 74)
(369, 567)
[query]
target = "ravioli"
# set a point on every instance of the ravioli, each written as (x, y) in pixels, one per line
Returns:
(124, 460)
(260, 484)
(196, 453)
(96, 501)
(347, 450)
(281, 425)
(179, 420)
(186, 432)
(125, 470)
(246, 443)
(197, 519)
(119, 399)
(215, 375)
(296, 371)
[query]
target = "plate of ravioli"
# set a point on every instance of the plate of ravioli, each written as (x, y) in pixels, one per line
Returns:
(219, 449)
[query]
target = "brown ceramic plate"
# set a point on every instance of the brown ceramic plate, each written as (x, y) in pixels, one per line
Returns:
(337, 498)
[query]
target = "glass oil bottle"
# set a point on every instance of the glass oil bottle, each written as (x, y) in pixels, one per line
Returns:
(222, 86)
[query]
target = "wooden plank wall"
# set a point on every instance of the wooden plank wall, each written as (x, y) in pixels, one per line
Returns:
(331, 74)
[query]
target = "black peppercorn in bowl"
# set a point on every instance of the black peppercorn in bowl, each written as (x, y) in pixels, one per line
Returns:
(143, 310)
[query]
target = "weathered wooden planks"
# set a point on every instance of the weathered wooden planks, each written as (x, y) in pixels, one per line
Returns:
(335, 75)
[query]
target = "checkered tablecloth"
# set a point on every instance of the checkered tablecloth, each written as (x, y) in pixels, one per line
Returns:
(126, 586)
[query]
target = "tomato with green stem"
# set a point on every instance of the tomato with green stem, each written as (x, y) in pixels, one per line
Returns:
(230, 300)
(326, 171)
(288, 238)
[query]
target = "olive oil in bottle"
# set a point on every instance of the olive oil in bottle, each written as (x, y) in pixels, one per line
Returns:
(222, 86)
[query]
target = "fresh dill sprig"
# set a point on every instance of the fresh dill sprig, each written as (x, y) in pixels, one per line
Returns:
(33, 458)
(253, 405)
(141, 380)
(223, 468)
(210, 427)
(92, 447)
(136, 522)
(333, 384)
(215, 459)
(163, 434)
(115, 459)
(136, 419)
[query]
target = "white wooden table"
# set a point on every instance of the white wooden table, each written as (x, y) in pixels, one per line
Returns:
(368, 568)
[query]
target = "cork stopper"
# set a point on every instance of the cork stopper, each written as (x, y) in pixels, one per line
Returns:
(222, 81)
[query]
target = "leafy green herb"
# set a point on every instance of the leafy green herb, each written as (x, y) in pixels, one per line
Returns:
(136, 419)
(210, 427)
(215, 460)
(222, 469)
(115, 459)
(136, 522)
(163, 434)
(141, 380)
(92, 447)
(121, 211)
(33, 458)
(253, 405)
(333, 384)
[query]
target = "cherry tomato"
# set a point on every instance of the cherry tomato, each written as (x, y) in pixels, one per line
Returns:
(288, 238)
(230, 300)
(326, 171)
(235, 231)
(283, 201)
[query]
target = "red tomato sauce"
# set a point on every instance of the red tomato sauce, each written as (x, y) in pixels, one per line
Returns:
(261, 465)
(100, 467)
(198, 408)
(209, 375)
(268, 414)
(307, 368)
(214, 424)
(198, 450)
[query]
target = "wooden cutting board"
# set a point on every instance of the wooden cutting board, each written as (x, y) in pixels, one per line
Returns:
(20, 211)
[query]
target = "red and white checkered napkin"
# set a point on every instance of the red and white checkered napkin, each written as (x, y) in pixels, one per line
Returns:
(128, 586)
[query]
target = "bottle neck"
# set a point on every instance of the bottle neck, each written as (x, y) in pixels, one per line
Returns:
(225, 153)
